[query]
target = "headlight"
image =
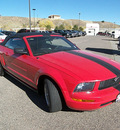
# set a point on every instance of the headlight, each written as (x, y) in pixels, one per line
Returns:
(86, 86)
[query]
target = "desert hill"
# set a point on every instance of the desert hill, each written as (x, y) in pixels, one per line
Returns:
(9, 23)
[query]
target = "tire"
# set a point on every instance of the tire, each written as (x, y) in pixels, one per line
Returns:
(1, 70)
(52, 96)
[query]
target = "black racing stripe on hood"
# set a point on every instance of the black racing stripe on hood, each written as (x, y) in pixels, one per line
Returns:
(99, 61)
(117, 87)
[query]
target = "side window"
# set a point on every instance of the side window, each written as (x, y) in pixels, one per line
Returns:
(15, 43)
(8, 44)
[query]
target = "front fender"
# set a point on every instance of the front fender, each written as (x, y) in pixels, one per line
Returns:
(65, 82)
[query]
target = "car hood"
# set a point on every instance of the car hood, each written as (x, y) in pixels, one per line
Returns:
(85, 65)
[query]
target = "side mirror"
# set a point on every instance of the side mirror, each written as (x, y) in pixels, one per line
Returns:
(20, 51)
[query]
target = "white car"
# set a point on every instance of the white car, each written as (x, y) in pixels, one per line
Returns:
(2, 37)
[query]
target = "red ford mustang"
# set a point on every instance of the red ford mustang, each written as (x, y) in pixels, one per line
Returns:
(56, 67)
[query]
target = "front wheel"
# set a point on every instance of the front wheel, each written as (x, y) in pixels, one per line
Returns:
(52, 96)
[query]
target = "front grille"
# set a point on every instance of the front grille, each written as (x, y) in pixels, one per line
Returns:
(109, 83)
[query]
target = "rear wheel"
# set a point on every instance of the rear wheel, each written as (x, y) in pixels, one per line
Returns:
(52, 96)
(1, 70)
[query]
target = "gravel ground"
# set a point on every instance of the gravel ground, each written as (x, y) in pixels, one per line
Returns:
(22, 109)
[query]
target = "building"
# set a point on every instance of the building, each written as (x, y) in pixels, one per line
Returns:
(54, 17)
(92, 28)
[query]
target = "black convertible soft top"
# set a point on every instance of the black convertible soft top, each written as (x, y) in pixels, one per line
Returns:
(32, 33)
(20, 35)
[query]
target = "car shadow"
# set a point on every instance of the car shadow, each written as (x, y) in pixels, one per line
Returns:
(37, 99)
(106, 51)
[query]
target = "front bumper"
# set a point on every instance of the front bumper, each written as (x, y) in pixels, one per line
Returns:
(97, 99)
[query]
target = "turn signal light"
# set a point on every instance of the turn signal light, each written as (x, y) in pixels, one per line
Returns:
(82, 100)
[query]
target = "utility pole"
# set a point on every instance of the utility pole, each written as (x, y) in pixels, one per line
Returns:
(34, 17)
(29, 16)
(79, 20)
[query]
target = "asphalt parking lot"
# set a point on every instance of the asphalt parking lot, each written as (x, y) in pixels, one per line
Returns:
(22, 109)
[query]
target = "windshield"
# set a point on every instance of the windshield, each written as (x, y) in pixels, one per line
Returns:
(45, 45)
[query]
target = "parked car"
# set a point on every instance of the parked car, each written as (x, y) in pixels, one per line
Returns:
(108, 34)
(78, 33)
(51, 31)
(8, 32)
(63, 33)
(26, 30)
(44, 31)
(72, 34)
(69, 34)
(54, 66)
(2, 37)
(101, 33)
(83, 33)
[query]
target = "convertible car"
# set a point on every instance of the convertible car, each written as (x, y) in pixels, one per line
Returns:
(52, 65)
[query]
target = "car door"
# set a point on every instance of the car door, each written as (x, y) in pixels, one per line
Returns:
(15, 63)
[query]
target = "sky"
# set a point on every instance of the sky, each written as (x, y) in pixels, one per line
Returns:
(90, 10)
